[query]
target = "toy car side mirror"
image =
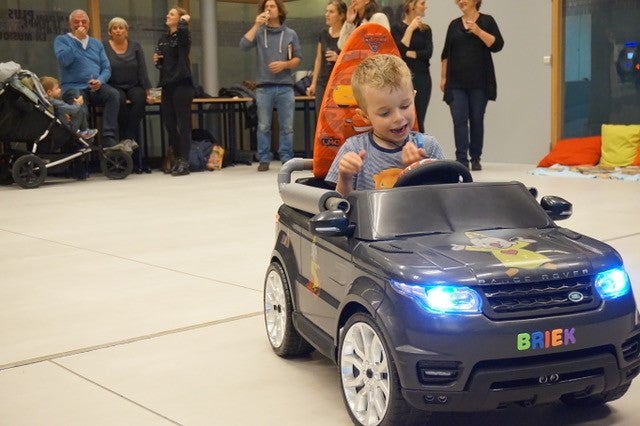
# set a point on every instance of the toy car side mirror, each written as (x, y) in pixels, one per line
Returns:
(331, 223)
(557, 208)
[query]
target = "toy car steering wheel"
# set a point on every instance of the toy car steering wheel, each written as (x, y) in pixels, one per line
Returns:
(429, 172)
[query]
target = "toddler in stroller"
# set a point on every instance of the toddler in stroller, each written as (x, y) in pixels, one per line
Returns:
(74, 115)
(34, 142)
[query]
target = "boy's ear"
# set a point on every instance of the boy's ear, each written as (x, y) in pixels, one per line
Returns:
(361, 113)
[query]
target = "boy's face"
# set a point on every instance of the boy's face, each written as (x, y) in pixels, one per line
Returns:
(391, 112)
(56, 92)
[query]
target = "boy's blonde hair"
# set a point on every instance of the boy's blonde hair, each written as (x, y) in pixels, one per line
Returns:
(378, 72)
(48, 83)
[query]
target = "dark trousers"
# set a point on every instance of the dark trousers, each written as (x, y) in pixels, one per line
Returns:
(467, 110)
(422, 84)
(106, 97)
(131, 113)
(175, 109)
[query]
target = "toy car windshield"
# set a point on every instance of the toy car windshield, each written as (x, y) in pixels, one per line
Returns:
(397, 212)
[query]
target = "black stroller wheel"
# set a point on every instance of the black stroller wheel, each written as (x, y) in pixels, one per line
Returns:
(116, 164)
(29, 171)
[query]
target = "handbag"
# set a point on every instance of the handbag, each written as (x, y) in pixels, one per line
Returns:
(301, 86)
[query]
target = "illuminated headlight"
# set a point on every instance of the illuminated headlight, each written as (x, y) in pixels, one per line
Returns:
(442, 298)
(612, 284)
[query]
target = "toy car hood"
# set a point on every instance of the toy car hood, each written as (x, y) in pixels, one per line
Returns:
(492, 256)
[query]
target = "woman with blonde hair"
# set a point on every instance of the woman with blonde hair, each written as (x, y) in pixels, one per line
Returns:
(327, 51)
(172, 59)
(129, 76)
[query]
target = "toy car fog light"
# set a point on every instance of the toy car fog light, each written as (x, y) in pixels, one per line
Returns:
(612, 284)
(443, 299)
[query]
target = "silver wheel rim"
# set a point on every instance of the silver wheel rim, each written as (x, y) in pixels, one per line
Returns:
(275, 308)
(364, 371)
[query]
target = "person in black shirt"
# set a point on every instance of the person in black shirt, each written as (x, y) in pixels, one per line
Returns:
(129, 76)
(415, 42)
(327, 51)
(468, 77)
(172, 59)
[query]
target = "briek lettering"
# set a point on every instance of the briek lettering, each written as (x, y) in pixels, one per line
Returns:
(546, 339)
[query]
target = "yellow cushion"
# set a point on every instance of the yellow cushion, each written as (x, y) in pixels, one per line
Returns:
(619, 144)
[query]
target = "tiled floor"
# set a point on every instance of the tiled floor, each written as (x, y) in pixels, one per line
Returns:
(138, 302)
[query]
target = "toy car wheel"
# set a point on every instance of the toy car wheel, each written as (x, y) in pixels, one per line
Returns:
(29, 171)
(370, 383)
(596, 400)
(284, 338)
(116, 164)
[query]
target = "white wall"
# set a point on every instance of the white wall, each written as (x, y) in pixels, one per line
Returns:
(517, 125)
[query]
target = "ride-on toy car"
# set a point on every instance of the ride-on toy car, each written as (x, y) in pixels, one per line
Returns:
(448, 296)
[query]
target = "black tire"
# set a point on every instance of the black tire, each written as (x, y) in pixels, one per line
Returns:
(116, 164)
(278, 309)
(596, 400)
(29, 171)
(371, 387)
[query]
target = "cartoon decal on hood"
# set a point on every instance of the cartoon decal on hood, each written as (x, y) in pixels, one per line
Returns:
(510, 253)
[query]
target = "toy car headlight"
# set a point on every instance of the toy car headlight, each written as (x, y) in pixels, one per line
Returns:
(612, 284)
(442, 298)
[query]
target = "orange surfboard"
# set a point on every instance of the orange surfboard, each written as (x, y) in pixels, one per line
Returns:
(338, 118)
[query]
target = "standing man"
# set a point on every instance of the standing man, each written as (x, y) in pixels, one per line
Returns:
(84, 70)
(278, 53)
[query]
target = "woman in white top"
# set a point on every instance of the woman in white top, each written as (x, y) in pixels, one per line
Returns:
(360, 12)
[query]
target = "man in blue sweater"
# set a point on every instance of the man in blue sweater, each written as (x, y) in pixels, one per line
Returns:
(278, 53)
(84, 70)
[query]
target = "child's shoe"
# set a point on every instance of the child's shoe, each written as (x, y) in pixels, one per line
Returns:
(87, 133)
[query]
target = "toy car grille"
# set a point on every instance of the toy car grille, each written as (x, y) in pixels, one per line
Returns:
(507, 301)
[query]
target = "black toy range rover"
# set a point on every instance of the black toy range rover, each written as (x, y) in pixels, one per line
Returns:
(448, 297)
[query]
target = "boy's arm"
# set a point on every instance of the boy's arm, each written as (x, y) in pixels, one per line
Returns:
(350, 165)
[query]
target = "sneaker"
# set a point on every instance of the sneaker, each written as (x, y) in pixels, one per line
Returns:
(129, 145)
(181, 168)
(475, 165)
(87, 133)
(116, 147)
(263, 167)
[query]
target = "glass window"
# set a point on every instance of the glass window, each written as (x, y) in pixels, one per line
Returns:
(602, 65)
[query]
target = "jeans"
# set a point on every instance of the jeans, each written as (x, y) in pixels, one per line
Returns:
(109, 99)
(467, 110)
(281, 98)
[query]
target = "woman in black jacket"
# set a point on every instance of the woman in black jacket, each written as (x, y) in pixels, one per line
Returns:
(172, 59)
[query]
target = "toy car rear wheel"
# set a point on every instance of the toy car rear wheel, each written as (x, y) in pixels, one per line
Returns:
(29, 171)
(278, 309)
(370, 383)
(116, 164)
(596, 400)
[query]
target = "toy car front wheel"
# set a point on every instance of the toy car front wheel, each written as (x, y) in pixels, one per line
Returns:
(116, 164)
(29, 171)
(596, 400)
(370, 383)
(284, 338)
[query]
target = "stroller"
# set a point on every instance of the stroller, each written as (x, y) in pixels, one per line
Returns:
(33, 142)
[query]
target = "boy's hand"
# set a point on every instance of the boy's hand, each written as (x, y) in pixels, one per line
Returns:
(351, 164)
(411, 153)
(78, 101)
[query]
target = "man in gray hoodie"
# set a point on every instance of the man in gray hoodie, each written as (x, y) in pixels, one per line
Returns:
(278, 53)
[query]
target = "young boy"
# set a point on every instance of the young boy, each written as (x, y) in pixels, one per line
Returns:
(74, 115)
(384, 92)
